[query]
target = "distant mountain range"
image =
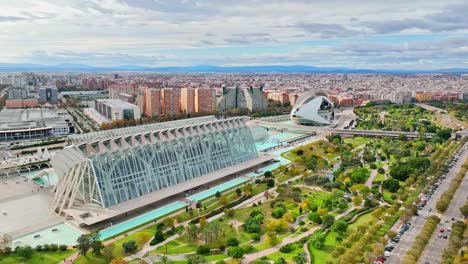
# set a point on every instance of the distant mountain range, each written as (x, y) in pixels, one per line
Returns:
(13, 67)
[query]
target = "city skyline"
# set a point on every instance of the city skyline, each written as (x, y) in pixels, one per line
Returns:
(413, 35)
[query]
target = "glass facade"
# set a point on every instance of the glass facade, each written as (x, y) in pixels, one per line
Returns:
(120, 169)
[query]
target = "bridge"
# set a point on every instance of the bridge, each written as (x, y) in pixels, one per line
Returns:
(348, 132)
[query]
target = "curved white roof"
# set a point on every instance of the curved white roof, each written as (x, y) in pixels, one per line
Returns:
(308, 110)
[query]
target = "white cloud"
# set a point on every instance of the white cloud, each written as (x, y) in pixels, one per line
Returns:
(165, 32)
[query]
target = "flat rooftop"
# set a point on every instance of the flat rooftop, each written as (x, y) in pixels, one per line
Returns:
(31, 118)
(117, 103)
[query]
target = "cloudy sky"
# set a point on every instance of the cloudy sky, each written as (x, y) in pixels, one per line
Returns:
(373, 34)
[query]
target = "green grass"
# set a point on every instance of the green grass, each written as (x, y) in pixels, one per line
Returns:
(357, 141)
(324, 254)
(362, 220)
(379, 177)
(118, 249)
(176, 247)
(38, 257)
(287, 256)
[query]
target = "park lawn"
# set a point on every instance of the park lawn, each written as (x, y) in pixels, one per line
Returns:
(324, 254)
(386, 195)
(243, 214)
(90, 258)
(357, 141)
(259, 188)
(317, 196)
(118, 246)
(287, 256)
(38, 257)
(362, 220)
(379, 177)
(176, 247)
(208, 258)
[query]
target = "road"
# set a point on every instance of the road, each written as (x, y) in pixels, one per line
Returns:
(436, 245)
(417, 222)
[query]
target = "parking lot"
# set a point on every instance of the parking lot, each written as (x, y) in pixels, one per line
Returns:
(417, 222)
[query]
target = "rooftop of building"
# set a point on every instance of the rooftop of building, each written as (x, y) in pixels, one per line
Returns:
(31, 118)
(119, 132)
(117, 103)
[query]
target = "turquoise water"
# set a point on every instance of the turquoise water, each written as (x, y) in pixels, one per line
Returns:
(212, 191)
(270, 167)
(141, 219)
(274, 140)
(65, 234)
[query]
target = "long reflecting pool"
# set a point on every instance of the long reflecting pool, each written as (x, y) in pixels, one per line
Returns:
(141, 219)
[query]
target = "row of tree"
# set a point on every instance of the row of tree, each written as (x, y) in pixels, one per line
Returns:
(447, 196)
(421, 240)
(455, 243)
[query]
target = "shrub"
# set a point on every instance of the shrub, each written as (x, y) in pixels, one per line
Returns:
(130, 246)
(63, 247)
(286, 248)
(247, 248)
(232, 242)
(236, 252)
(270, 183)
(203, 249)
(255, 237)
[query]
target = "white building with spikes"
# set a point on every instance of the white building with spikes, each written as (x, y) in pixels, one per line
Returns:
(107, 173)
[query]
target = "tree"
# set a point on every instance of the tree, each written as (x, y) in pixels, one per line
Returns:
(391, 184)
(252, 225)
(130, 246)
(340, 226)
(270, 183)
(232, 242)
(218, 194)
(236, 252)
(158, 237)
(401, 171)
(107, 252)
(315, 217)
(318, 240)
(238, 191)
(271, 239)
(267, 174)
(300, 152)
(359, 175)
(464, 209)
(97, 247)
(25, 252)
(357, 200)
(328, 220)
(83, 243)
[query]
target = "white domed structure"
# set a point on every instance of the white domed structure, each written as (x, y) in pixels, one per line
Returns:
(314, 109)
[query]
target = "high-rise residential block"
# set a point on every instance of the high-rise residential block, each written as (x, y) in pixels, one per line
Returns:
(187, 100)
(205, 100)
(170, 101)
(152, 102)
(48, 94)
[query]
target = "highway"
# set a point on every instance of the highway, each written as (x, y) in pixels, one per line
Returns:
(417, 222)
(433, 252)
